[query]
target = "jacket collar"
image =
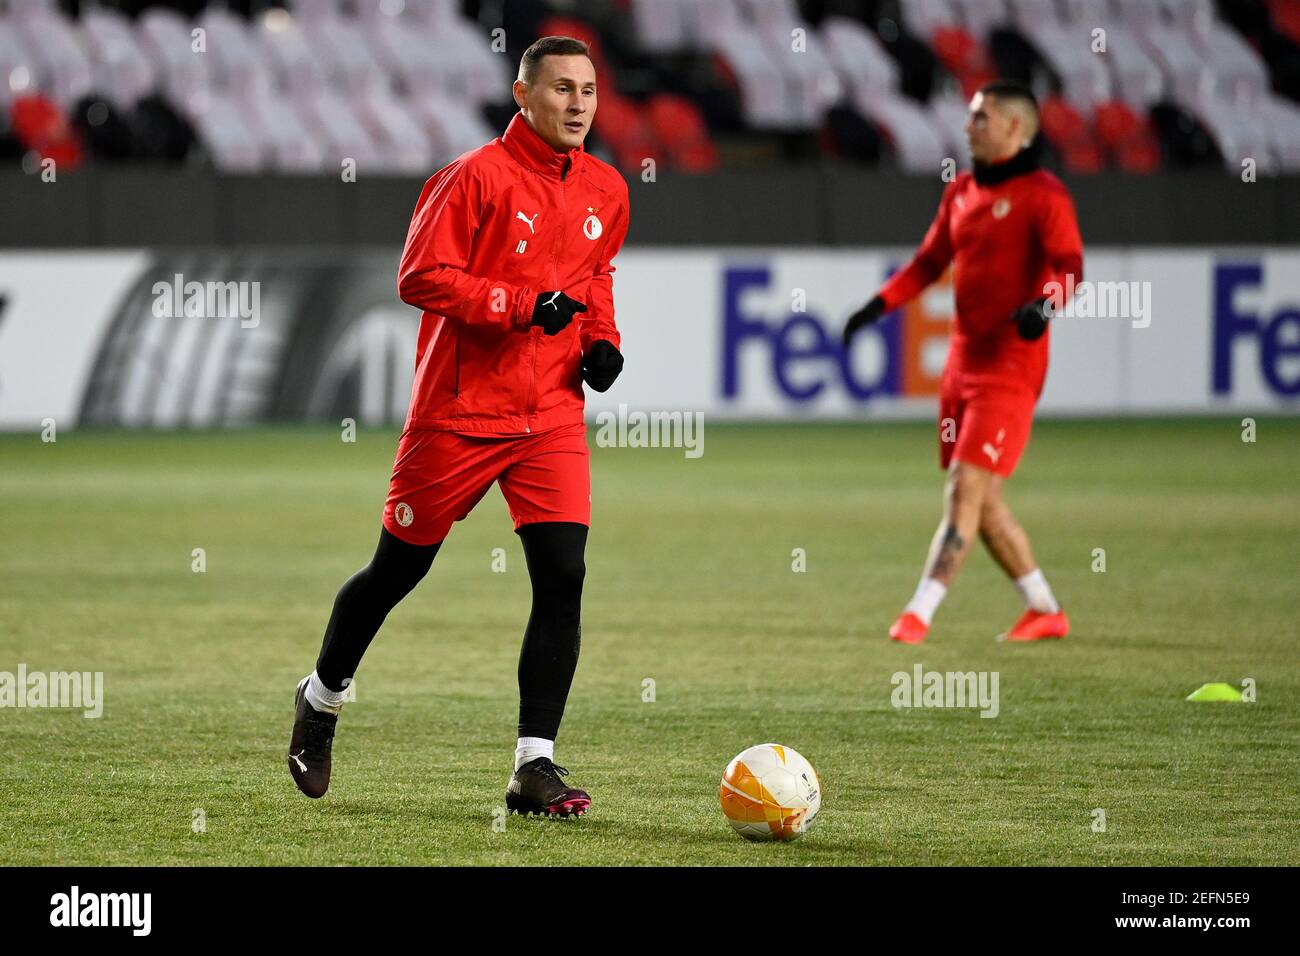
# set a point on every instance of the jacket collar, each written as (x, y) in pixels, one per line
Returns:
(533, 152)
(1025, 161)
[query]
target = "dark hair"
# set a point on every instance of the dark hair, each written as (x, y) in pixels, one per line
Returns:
(1010, 90)
(549, 46)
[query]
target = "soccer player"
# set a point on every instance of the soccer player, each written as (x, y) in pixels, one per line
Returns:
(1009, 230)
(509, 258)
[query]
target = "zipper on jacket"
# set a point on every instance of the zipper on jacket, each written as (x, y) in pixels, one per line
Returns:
(530, 405)
(458, 365)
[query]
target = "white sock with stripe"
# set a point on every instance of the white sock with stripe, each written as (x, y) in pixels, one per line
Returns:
(530, 748)
(1033, 587)
(322, 698)
(926, 599)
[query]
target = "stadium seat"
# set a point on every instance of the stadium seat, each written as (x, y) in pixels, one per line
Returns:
(948, 112)
(341, 45)
(1285, 15)
(923, 17)
(122, 71)
(678, 124)
(52, 43)
(810, 78)
(917, 145)
(330, 116)
(1128, 137)
(659, 26)
(287, 49)
(17, 66)
(1068, 130)
(1083, 155)
(743, 59)
(964, 57)
(103, 129)
(164, 37)
(981, 16)
(404, 147)
(452, 126)
(239, 64)
(856, 53)
(41, 126)
(625, 128)
(285, 141)
(1134, 76)
(224, 130)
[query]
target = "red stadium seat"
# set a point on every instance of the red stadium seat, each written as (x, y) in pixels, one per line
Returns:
(678, 124)
(1140, 154)
(1286, 18)
(573, 27)
(1083, 156)
(40, 126)
(1062, 123)
(964, 57)
(1128, 137)
(623, 126)
(1116, 123)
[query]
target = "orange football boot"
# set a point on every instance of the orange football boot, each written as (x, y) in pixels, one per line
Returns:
(1038, 626)
(908, 629)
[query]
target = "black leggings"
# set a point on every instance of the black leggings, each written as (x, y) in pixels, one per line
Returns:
(554, 552)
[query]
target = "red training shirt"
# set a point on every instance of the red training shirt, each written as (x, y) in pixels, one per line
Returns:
(1006, 241)
(492, 230)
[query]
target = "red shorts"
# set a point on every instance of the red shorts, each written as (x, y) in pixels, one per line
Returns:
(439, 477)
(985, 425)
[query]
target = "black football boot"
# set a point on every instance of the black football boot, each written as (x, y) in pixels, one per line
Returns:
(309, 747)
(536, 787)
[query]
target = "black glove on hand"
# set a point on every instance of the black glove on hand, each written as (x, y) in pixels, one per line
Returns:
(871, 312)
(554, 310)
(601, 365)
(1031, 319)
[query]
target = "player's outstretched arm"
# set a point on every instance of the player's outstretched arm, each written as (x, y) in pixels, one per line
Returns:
(932, 257)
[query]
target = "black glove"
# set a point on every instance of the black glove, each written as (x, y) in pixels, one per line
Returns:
(601, 365)
(553, 311)
(1031, 319)
(871, 312)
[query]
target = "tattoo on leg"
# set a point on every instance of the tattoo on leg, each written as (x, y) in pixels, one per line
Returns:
(952, 546)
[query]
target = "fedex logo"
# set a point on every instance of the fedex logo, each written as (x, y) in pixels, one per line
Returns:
(807, 356)
(1278, 335)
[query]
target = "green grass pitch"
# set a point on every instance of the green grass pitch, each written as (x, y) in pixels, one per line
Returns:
(689, 584)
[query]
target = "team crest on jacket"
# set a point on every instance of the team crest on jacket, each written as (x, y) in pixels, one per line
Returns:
(592, 228)
(1001, 208)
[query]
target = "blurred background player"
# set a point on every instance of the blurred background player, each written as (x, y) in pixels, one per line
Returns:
(508, 244)
(1009, 230)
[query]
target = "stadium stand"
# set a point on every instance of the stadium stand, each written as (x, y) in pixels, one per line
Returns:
(403, 86)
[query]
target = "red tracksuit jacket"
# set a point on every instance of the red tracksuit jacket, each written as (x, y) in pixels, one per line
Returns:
(1005, 241)
(492, 230)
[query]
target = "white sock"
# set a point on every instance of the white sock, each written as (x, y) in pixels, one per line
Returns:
(1033, 587)
(926, 599)
(322, 698)
(530, 748)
